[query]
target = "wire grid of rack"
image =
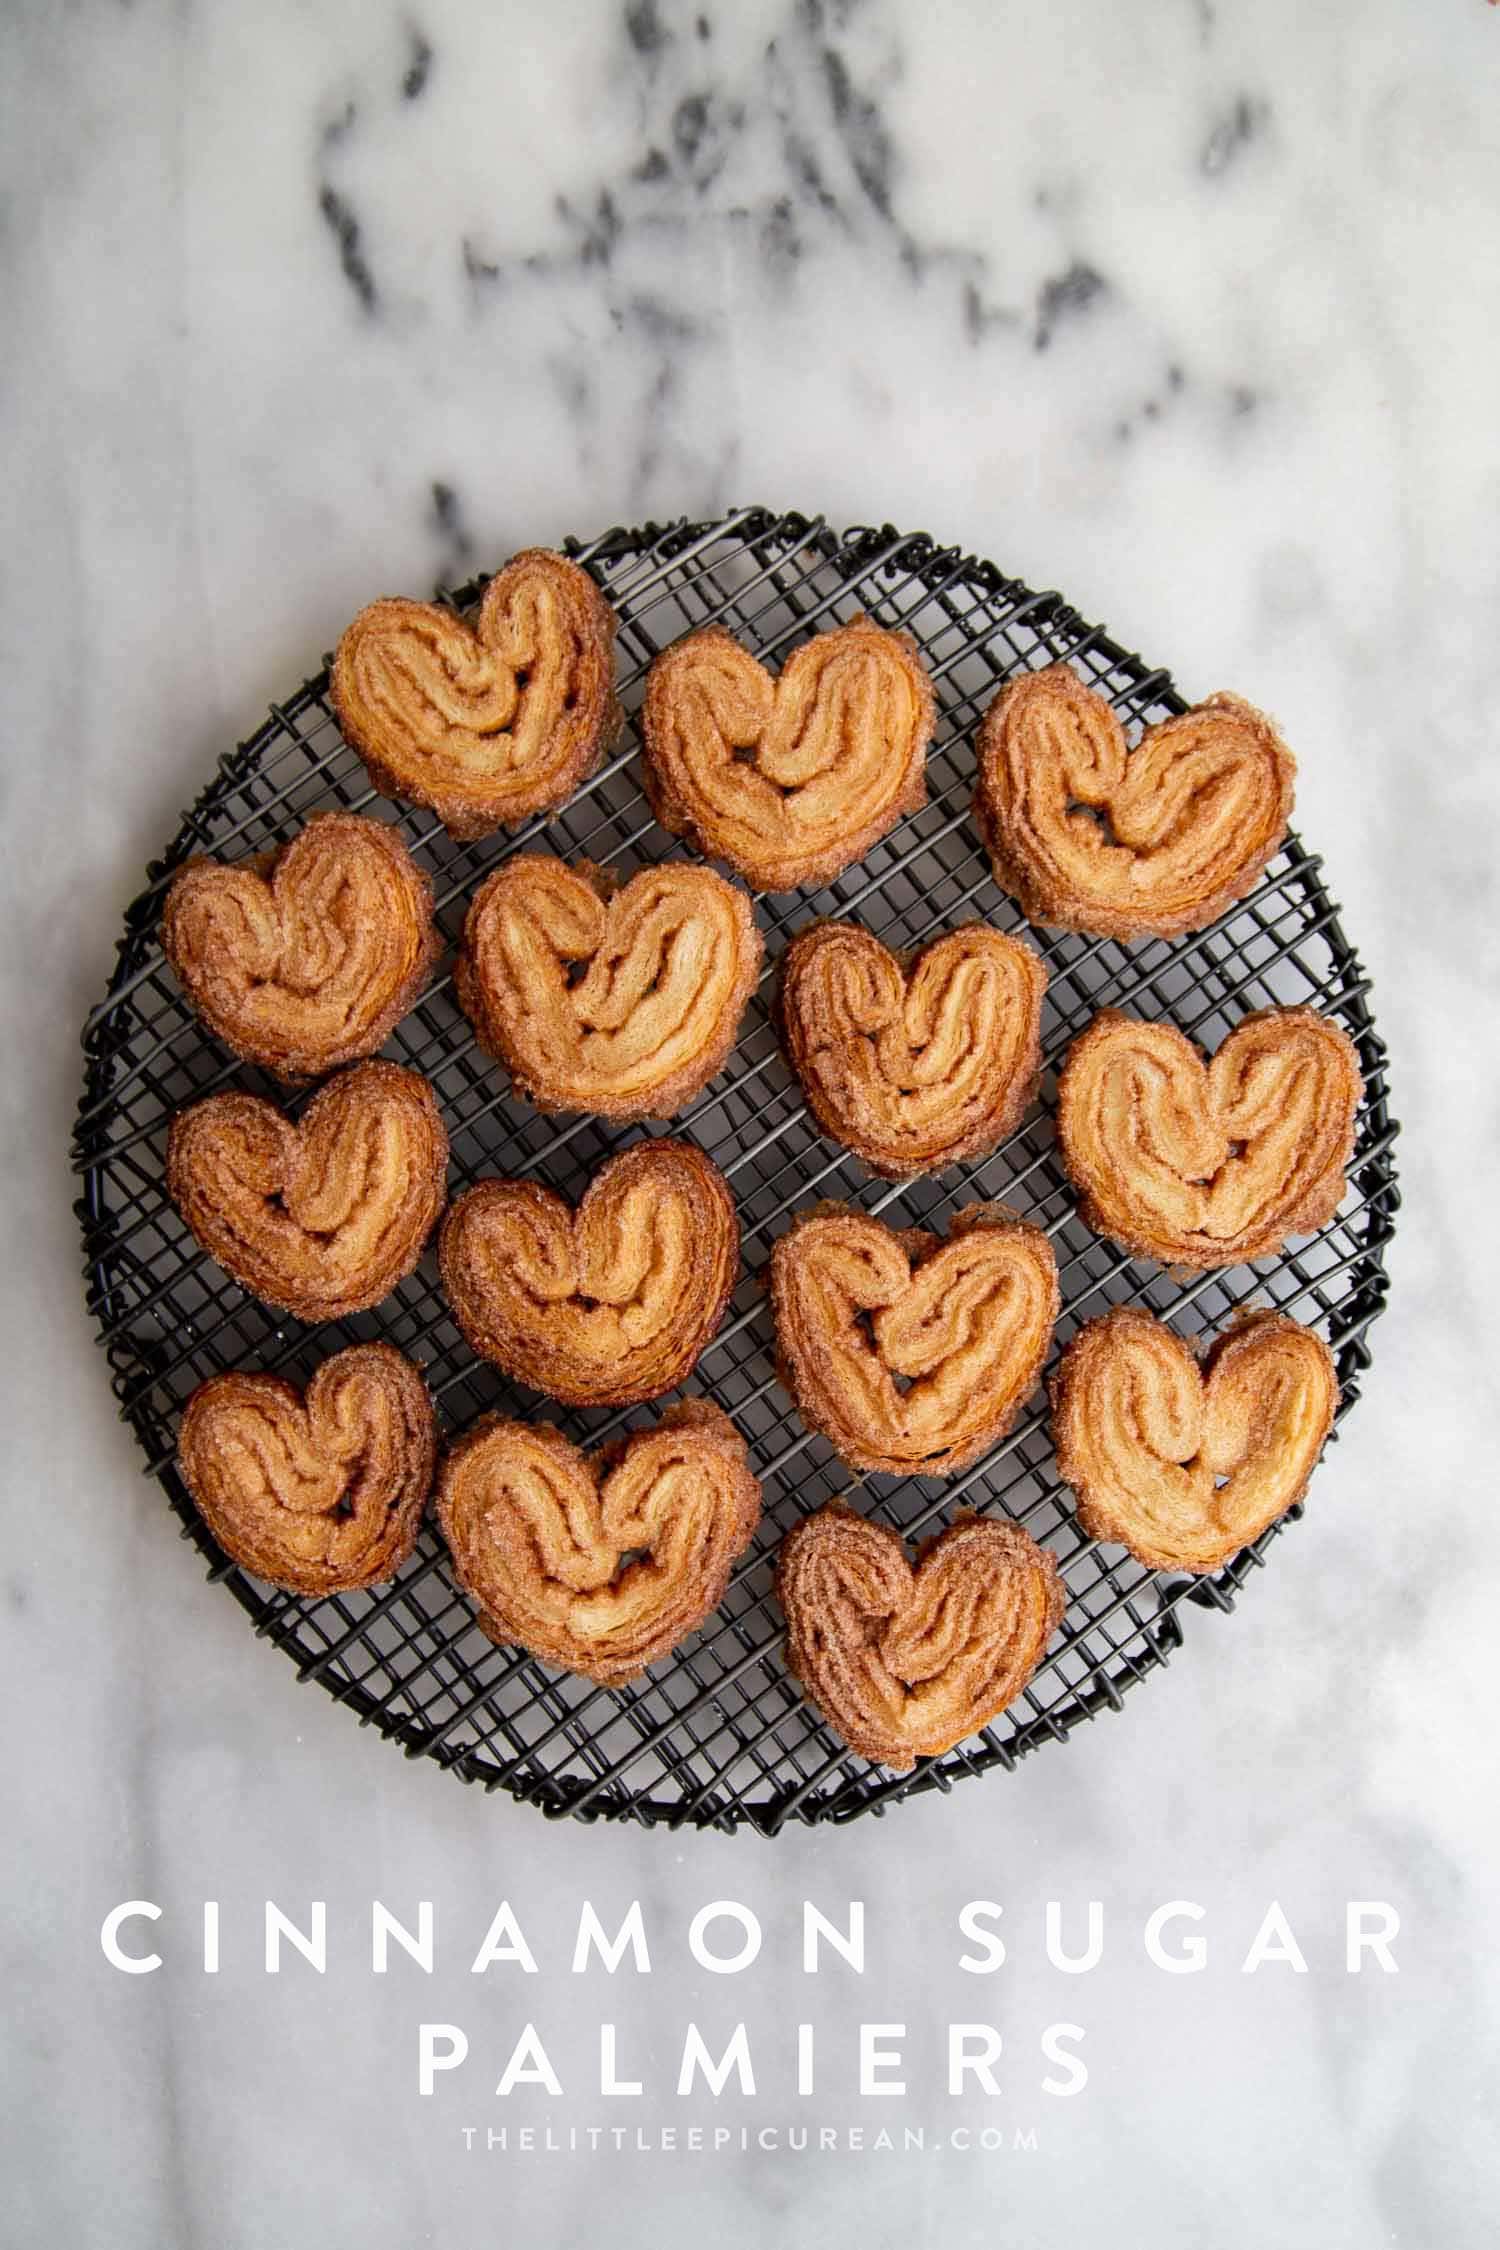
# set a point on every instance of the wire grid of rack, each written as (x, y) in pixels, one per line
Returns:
(717, 1735)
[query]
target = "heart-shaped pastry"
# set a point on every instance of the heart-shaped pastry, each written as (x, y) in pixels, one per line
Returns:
(618, 1000)
(605, 1305)
(905, 1663)
(320, 1218)
(598, 1563)
(1182, 1465)
(910, 1353)
(310, 956)
(789, 780)
(1091, 836)
(317, 1493)
(485, 722)
(1208, 1165)
(912, 1063)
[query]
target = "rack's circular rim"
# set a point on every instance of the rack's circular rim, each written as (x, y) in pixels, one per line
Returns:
(866, 547)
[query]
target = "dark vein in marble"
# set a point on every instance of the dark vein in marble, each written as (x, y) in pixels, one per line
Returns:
(418, 65)
(449, 522)
(1064, 296)
(344, 227)
(1232, 133)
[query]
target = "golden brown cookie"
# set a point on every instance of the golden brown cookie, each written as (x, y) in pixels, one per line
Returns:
(598, 1563)
(912, 1061)
(910, 1353)
(1216, 1164)
(318, 1493)
(904, 1663)
(487, 722)
(309, 956)
(1183, 1464)
(619, 1000)
(788, 780)
(606, 1305)
(323, 1217)
(1091, 836)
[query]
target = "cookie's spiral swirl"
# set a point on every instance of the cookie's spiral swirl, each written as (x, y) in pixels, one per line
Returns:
(905, 1663)
(485, 722)
(1151, 842)
(912, 1063)
(605, 1305)
(1215, 1165)
(309, 957)
(788, 780)
(621, 1001)
(320, 1218)
(318, 1494)
(602, 1563)
(1182, 1465)
(911, 1353)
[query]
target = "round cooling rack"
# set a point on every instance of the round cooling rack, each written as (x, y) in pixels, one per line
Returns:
(717, 1735)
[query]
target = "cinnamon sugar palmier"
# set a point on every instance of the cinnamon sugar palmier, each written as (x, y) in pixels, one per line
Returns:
(904, 1663)
(909, 1352)
(912, 1061)
(309, 956)
(621, 1000)
(788, 780)
(489, 722)
(1183, 1464)
(598, 1563)
(323, 1217)
(318, 1493)
(606, 1305)
(1089, 835)
(1216, 1164)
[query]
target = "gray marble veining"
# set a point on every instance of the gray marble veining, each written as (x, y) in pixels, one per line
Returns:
(1186, 308)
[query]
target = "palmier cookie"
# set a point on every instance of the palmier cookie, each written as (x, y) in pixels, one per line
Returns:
(912, 1061)
(606, 1305)
(1208, 1165)
(602, 1563)
(320, 1218)
(788, 780)
(309, 956)
(904, 1663)
(318, 1493)
(909, 1352)
(1091, 836)
(1183, 1464)
(488, 722)
(619, 1000)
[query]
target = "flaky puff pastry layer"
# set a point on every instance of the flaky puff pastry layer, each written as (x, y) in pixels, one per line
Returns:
(909, 1352)
(607, 1304)
(490, 722)
(903, 1663)
(322, 1217)
(1091, 836)
(601, 1563)
(792, 779)
(618, 1000)
(912, 1061)
(1186, 1463)
(1208, 1164)
(309, 956)
(318, 1492)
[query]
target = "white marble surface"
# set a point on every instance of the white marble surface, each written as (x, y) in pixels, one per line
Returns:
(1187, 306)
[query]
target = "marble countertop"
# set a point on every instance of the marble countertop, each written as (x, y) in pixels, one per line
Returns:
(1185, 307)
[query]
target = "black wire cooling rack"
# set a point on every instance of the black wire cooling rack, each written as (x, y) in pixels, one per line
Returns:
(717, 1736)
